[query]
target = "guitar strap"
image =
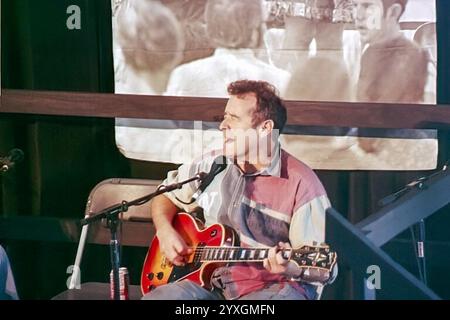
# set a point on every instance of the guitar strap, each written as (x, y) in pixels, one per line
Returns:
(198, 214)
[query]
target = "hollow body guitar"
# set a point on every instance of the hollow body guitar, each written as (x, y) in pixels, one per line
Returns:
(216, 246)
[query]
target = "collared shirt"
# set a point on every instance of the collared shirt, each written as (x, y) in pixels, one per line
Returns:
(209, 77)
(390, 61)
(284, 202)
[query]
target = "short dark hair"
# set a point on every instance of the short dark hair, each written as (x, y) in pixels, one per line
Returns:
(269, 105)
(149, 35)
(389, 3)
(231, 23)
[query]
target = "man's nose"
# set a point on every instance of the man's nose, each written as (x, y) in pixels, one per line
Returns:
(359, 12)
(223, 125)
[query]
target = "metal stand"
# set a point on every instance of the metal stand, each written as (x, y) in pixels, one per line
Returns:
(111, 215)
(419, 246)
(114, 246)
(405, 208)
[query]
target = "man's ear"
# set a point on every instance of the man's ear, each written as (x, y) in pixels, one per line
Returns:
(394, 12)
(267, 126)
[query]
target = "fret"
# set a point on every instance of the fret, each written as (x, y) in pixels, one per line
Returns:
(210, 254)
(262, 253)
(236, 253)
(231, 256)
(204, 255)
(216, 253)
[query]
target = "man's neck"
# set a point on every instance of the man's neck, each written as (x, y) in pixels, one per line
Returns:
(156, 79)
(248, 167)
(390, 33)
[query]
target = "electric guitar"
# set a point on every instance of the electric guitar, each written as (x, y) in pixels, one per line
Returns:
(216, 246)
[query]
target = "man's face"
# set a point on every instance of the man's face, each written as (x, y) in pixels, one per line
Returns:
(369, 19)
(239, 134)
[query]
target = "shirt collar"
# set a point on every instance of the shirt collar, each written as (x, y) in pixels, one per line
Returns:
(228, 51)
(274, 168)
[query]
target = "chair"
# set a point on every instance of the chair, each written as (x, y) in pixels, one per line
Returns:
(137, 230)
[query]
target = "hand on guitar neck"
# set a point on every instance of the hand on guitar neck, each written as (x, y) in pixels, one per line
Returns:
(279, 262)
(275, 263)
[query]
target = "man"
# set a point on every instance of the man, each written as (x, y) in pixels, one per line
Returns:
(149, 43)
(393, 68)
(235, 28)
(268, 197)
(319, 20)
(7, 285)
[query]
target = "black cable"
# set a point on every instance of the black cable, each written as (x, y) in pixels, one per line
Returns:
(413, 236)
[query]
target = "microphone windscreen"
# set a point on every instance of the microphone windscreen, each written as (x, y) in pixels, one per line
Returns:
(16, 155)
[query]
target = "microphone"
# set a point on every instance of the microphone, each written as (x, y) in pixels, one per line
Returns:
(14, 156)
(219, 164)
(419, 183)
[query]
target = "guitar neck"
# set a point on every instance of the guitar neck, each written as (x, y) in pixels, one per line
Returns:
(234, 254)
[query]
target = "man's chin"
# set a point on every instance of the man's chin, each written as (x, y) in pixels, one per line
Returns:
(366, 36)
(228, 150)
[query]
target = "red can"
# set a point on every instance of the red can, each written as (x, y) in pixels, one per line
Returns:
(124, 283)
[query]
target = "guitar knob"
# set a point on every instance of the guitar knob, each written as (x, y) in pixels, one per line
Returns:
(151, 287)
(160, 275)
(150, 276)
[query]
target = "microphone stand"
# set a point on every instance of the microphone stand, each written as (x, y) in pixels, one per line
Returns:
(419, 243)
(111, 214)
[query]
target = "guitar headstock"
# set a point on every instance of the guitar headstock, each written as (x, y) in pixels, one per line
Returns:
(317, 261)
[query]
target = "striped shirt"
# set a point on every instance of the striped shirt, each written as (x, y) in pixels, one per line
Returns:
(283, 202)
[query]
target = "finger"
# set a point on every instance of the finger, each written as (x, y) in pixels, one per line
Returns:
(172, 255)
(185, 250)
(272, 253)
(178, 261)
(266, 264)
(288, 245)
(280, 260)
(180, 247)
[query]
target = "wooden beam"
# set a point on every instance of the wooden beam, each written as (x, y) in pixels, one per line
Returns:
(367, 115)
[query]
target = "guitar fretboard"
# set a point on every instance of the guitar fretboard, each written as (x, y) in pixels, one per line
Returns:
(234, 254)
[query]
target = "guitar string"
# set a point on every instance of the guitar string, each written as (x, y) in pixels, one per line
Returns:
(199, 255)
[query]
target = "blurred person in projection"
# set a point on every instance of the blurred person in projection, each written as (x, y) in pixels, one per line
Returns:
(393, 68)
(148, 44)
(235, 28)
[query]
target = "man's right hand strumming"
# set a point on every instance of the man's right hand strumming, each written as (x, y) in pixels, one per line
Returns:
(171, 243)
(173, 246)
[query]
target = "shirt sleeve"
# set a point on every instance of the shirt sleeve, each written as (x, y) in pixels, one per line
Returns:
(182, 197)
(308, 222)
